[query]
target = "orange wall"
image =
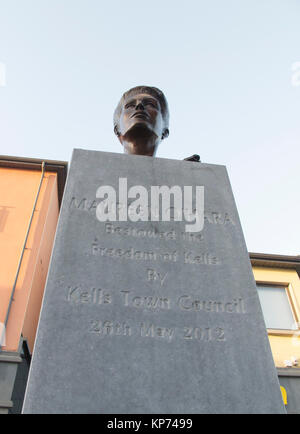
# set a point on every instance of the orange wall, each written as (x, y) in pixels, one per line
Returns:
(18, 189)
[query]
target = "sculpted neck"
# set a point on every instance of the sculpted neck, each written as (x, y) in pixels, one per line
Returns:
(134, 148)
(140, 144)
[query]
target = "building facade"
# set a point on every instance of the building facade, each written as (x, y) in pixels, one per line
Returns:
(30, 195)
(278, 282)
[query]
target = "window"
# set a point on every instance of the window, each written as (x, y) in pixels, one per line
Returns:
(276, 307)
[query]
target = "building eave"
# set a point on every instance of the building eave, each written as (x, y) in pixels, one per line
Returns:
(59, 167)
(275, 261)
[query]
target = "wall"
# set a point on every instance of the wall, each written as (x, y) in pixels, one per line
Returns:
(18, 190)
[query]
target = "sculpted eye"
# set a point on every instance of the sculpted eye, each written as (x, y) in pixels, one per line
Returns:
(130, 104)
(153, 104)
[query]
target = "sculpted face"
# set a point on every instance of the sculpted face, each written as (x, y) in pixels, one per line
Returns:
(141, 120)
(142, 111)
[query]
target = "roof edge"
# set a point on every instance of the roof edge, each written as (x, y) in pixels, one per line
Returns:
(59, 167)
(274, 260)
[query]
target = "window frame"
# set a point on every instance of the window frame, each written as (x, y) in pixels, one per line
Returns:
(292, 302)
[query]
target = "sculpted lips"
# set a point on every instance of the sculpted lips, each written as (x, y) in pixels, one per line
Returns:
(141, 115)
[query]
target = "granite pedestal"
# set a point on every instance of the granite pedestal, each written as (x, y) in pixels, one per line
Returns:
(144, 317)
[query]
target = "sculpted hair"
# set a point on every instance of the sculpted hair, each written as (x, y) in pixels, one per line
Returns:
(153, 91)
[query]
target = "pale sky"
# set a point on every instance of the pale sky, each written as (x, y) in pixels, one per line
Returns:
(224, 66)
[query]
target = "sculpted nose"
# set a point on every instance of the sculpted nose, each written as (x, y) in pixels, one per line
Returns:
(139, 106)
